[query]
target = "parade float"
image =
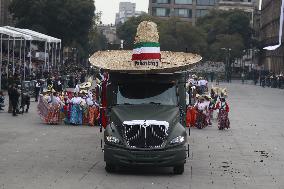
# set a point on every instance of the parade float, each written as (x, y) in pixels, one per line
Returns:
(144, 103)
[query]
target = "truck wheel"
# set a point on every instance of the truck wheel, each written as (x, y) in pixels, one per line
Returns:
(110, 168)
(179, 169)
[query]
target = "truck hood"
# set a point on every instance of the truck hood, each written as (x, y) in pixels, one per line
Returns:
(123, 113)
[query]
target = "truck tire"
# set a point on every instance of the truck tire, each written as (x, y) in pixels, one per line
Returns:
(179, 169)
(110, 168)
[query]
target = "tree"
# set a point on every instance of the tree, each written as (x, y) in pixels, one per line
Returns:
(175, 35)
(226, 29)
(219, 29)
(233, 42)
(70, 20)
(97, 41)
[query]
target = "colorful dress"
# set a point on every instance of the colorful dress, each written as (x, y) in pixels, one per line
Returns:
(67, 110)
(223, 115)
(93, 110)
(201, 115)
(190, 117)
(48, 110)
(76, 115)
(85, 111)
(211, 108)
(93, 115)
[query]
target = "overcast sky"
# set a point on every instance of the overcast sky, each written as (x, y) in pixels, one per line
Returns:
(110, 7)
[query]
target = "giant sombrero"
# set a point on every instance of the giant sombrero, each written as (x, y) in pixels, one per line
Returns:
(146, 56)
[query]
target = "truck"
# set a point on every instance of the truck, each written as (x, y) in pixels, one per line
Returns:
(144, 103)
(146, 121)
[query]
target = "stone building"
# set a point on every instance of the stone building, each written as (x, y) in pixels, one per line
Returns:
(269, 35)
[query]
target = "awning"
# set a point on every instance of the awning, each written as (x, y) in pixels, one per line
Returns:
(36, 35)
(27, 34)
(15, 34)
(48, 38)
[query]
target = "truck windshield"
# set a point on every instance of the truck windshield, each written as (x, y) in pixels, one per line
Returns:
(147, 93)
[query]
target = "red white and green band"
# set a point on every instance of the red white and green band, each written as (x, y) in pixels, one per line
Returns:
(146, 51)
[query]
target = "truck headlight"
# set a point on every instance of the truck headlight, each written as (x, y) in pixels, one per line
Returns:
(112, 139)
(178, 140)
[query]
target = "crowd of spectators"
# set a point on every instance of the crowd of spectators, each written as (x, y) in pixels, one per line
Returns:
(272, 80)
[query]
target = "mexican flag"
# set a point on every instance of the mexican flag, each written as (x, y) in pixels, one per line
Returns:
(146, 51)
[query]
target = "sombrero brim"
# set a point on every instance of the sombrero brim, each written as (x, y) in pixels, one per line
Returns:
(120, 61)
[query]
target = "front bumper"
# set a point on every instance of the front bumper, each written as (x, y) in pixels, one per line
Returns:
(158, 158)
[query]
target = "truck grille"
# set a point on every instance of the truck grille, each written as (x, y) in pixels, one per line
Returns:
(145, 134)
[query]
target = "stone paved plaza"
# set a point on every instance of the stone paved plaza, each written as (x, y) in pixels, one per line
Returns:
(249, 156)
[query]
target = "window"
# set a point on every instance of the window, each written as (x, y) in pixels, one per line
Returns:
(161, 12)
(147, 93)
(183, 1)
(201, 12)
(206, 2)
(185, 13)
(161, 1)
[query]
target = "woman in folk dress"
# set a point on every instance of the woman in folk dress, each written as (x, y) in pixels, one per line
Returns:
(93, 109)
(85, 108)
(223, 115)
(55, 103)
(202, 109)
(76, 110)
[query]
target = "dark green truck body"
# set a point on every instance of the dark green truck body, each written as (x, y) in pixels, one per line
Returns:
(146, 121)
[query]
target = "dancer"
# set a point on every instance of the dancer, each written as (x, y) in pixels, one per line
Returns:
(93, 109)
(223, 115)
(76, 110)
(202, 108)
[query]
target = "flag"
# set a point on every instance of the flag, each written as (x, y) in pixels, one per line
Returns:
(146, 51)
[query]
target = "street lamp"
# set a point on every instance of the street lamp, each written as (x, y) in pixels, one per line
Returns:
(228, 63)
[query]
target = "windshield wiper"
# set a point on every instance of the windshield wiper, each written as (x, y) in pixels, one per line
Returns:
(156, 103)
(127, 104)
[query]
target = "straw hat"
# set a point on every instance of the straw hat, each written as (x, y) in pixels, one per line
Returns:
(208, 97)
(201, 98)
(45, 91)
(198, 96)
(139, 60)
(224, 92)
(83, 91)
(85, 85)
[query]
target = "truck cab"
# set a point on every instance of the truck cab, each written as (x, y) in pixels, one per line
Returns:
(146, 121)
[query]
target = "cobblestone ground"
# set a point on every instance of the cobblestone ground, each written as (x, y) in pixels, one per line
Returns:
(249, 155)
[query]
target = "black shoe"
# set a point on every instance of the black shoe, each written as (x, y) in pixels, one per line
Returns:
(15, 115)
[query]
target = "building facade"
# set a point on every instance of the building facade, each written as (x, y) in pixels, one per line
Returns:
(126, 11)
(5, 16)
(269, 35)
(109, 31)
(249, 6)
(191, 10)
(186, 10)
